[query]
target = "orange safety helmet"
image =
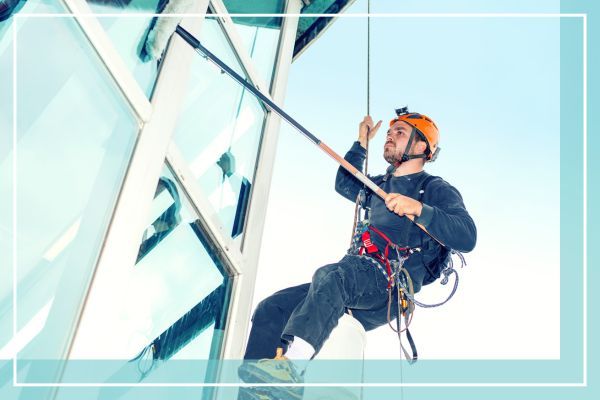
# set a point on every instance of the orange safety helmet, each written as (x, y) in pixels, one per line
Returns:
(424, 127)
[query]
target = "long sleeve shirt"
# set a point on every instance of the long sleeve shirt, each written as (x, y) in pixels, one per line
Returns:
(444, 216)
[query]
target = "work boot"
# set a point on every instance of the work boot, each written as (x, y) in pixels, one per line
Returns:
(273, 370)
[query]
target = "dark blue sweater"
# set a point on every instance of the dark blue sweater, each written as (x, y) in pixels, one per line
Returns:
(444, 215)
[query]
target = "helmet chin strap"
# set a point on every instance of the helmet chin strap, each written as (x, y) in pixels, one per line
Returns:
(405, 157)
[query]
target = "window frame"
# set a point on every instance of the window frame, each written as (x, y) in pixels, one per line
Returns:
(154, 146)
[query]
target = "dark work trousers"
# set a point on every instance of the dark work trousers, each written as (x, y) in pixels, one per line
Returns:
(311, 311)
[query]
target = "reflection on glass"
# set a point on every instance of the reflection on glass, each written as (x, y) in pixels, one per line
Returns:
(6, 237)
(256, 7)
(219, 132)
(5, 31)
(260, 36)
(213, 35)
(75, 135)
(128, 32)
(32, 7)
(174, 299)
(198, 333)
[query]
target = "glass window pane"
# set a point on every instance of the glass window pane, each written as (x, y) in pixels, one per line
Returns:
(215, 40)
(260, 41)
(39, 7)
(75, 136)
(128, 32)
(172, 304)
(6, 170)
(4, 30)
(6, 182)
(219, 132)
(260, 35)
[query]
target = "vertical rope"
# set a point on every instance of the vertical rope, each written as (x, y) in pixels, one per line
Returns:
(368, 133)
(357, 205)
(400, 339)
(368, 78)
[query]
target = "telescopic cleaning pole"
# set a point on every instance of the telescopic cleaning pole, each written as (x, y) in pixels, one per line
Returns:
(204, 52)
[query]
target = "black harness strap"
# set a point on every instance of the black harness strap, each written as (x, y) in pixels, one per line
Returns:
(420, 194)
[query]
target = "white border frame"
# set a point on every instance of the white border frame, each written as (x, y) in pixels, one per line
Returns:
(467, 15)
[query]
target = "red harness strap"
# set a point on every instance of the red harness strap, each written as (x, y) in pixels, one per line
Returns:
(368, 244)
(372, 250)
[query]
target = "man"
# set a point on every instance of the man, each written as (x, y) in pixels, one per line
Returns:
(297, 320)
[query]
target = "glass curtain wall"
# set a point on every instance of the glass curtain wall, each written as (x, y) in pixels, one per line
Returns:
(76, 133)
(128, 31)
(219, 131)
(6, 182)
(172, 304)
(260, 41)
(260, 35)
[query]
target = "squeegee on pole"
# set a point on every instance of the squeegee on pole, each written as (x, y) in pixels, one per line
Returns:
(204, 52)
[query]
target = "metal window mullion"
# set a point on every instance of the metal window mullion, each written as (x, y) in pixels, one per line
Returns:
(130, 215)
(110, 58)
(208, 217)
(236, 331)
(239, 47)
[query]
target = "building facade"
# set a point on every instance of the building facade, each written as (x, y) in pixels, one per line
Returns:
(134, 190)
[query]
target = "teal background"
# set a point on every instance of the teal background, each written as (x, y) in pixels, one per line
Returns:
(569, 368)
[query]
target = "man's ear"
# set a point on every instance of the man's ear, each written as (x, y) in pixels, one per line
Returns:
(420, 147)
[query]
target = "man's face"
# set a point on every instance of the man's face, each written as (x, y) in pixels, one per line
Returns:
(395, 141)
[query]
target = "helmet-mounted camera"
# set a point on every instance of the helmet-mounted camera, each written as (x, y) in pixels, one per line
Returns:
(402, 111)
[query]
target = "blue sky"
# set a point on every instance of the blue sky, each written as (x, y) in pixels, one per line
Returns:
(492, 85)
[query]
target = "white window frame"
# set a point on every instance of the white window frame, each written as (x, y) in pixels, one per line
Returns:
(239, 48)
(137, 192)
(242, 297)
(158, 119)
(110, 57)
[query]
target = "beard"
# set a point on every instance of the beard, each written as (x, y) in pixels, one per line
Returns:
(389, 155)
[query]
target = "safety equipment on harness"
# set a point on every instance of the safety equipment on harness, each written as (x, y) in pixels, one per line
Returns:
(422, 126)
(362, 245)
(397, 275)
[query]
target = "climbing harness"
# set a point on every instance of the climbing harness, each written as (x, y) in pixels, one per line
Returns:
(397, 276)
(362, 245)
